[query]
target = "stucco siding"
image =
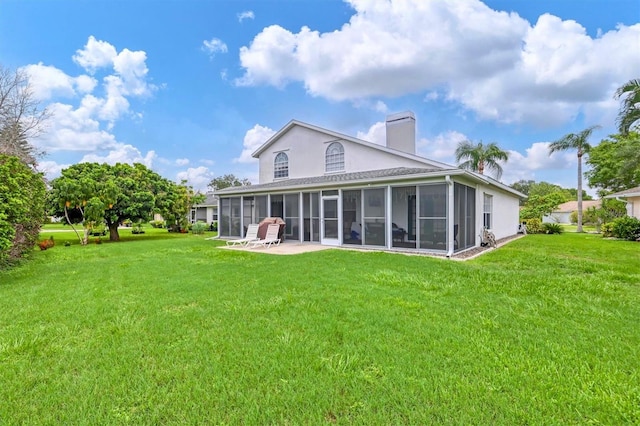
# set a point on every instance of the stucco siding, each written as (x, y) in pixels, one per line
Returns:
(506, 212)
(306, 150)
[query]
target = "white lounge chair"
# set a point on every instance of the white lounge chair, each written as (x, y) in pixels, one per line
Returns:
(271, 238)
(251, 235)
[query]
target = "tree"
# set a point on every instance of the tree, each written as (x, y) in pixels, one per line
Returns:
(176, 205)
(101, 192)
(22, 198)
(629, 115)
(615, 163)
(21, 117)
(541, 205)
(226, 181)
(480, 157)
(579, 142)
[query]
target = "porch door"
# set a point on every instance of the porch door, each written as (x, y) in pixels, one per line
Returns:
(330, 222)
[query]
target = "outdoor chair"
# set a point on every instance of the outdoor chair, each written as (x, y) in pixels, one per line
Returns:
(488, 238)
(271, 238)
(251, 235)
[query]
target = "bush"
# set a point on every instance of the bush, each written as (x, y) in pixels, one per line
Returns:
(137, 229)
(551, 228)
(607, 229)
(627, 228)
(198, 228)
(214, 226)
(157, 223)
(534, 226)
(22, 200)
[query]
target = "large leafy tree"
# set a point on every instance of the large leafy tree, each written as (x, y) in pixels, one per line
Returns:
(615, 163)
(629, 114)
(479, 157)
(540, 205)
(227, 181)
(579, 142)
(102, 192)
(22, 199)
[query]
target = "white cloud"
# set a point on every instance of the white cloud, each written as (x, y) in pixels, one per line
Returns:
(441, 148)
(213, 46)
(253, 139)
(536, 158)
(48, 82)
(122, 153)
(207, 162)
(51, 169)
(198, 177)
(497, 64)
(377, 134)
(182, 161)
(247, 14)
(95, 54)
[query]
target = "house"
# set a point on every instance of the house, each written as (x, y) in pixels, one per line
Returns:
(338, 190)
(562, 214)
(632, 197)
(207, 211)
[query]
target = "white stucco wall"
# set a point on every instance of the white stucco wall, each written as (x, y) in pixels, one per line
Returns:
(633, 207)
(506, 211)
(306, 151)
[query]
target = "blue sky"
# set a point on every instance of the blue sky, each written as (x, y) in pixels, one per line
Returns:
(190, 88)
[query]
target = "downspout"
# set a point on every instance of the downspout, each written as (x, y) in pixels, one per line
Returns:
(450, 215)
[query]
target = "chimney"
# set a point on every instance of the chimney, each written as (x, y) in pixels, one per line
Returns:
(401, 132)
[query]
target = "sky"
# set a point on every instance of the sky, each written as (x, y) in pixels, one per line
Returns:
(191, 88)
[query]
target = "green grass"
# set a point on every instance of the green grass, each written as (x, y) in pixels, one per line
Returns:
(166, 329)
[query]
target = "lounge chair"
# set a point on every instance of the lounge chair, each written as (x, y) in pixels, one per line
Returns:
(271, 238)
(251, 235)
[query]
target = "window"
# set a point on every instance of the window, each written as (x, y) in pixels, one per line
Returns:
(487, 211)
(281, 166)
(334, 158)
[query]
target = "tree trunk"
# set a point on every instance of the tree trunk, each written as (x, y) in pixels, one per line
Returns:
(579, 193)
(113, 232)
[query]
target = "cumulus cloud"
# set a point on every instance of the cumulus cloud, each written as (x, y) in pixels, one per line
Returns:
(442, 147)
(536, 158)
(497, 64)
(247, 14)
(213, 46)
(197, 177)
(182, 161)
(95, 54)
(51, 169)
(122, 153)
(83, 122)
(253, 139)
(48, 82)
(377, 134)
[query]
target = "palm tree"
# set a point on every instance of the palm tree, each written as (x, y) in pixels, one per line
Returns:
(577, 141)
(480, 157)
(630, 108)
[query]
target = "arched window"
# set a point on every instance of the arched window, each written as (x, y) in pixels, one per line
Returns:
(334, 158)
(281, 166)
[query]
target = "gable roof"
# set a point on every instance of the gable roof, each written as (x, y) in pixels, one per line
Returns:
(571, 206)
(340, 136)
(371, 176)
(631, 192)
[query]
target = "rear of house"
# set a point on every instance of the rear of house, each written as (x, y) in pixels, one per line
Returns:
(334, 189)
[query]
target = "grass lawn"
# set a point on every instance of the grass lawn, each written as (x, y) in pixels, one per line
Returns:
(166, 328)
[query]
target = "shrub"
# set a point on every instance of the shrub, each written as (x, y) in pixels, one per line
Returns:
(534, 226)
(157, 223)
(22, 199)
(198, 228)
(137, 229)
(627, 228)
(607, 229)
(214, 226)
(551, 228)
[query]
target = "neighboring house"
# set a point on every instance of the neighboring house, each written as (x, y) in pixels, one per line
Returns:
(632, 197)
(207, 211)
(335, 189)
(562, 214)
